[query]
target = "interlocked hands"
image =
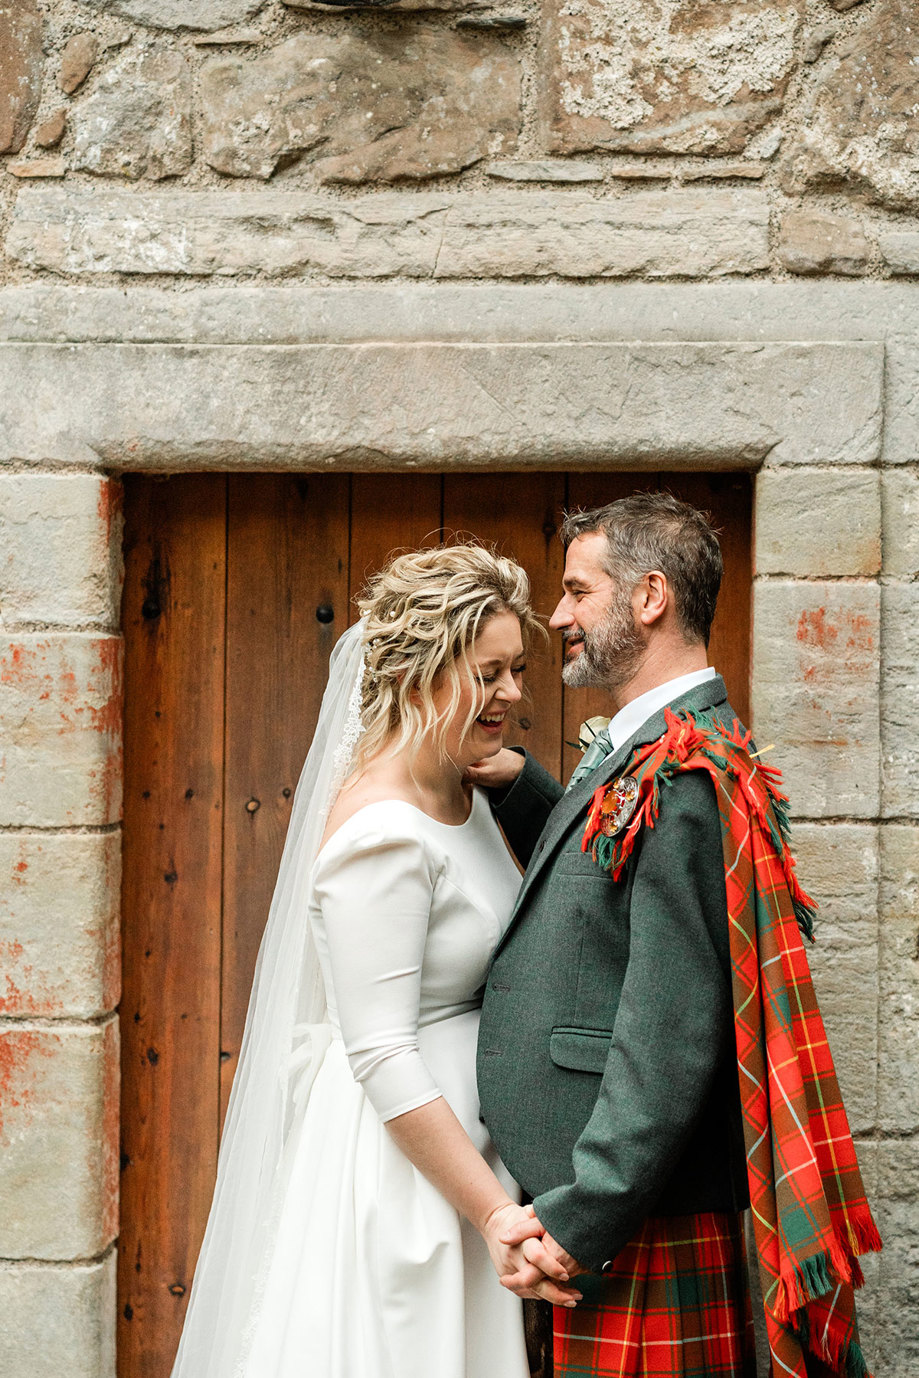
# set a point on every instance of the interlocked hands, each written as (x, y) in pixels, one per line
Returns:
(528, 1261)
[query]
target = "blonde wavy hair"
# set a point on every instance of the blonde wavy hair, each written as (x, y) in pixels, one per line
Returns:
(423, 613)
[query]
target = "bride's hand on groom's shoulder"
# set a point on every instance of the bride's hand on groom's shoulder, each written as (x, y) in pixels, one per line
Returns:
(496, 772)
(525, 1267)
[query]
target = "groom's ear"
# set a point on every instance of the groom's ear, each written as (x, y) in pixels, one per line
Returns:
(651, 598)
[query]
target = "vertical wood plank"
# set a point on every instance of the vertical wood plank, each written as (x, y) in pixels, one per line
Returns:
(728, 499)
(389, 513)
(519, 514)
(174, 613)
(287, 555)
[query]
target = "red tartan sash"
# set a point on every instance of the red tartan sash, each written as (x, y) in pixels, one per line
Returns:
(811, 1219)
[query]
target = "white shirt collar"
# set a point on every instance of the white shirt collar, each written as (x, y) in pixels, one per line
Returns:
(635, 714)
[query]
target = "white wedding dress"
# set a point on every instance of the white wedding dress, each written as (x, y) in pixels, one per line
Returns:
(372, 1273)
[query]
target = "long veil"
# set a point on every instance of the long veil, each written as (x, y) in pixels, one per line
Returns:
(286, 1031)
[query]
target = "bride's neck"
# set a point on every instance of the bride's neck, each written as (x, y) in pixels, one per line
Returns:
(433, 777)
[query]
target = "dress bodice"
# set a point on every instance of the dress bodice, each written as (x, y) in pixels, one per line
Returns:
(406, 912)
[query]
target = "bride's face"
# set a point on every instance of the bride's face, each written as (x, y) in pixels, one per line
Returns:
(497, 664)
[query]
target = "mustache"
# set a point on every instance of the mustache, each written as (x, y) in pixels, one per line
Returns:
(572, 636)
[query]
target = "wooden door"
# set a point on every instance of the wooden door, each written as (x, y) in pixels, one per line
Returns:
(236, 590)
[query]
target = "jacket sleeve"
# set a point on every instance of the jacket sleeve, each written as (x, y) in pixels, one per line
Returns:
(670, 1032)
(524, 808)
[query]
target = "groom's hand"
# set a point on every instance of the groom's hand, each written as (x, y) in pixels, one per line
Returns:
(496, 772)
(539, 1247)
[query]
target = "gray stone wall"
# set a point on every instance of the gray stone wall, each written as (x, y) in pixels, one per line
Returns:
(458, 139)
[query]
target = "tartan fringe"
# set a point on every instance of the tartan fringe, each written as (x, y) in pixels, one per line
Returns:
(801, 1282)
(811, 1278)
(844, 1357)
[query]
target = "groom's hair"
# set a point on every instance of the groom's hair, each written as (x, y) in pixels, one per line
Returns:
(650, 531)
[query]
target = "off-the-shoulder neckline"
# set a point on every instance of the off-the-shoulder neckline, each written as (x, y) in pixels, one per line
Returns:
(402, 803)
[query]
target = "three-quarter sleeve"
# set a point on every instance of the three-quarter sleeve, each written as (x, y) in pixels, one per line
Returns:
(375, 893)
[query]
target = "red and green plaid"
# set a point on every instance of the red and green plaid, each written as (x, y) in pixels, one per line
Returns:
(810, 1216)
(675, 1304)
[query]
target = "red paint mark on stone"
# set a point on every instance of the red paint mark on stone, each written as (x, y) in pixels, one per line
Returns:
(848, 631)
(19, 1051)
(813, 629)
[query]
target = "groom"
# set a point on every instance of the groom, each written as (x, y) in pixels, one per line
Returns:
(607, 1063)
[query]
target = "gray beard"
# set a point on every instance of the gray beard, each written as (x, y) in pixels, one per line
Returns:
(611, 654)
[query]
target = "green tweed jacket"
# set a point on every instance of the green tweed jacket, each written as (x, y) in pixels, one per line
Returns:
(607, 1066)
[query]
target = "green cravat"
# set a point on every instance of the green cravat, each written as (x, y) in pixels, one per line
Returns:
(599, 749)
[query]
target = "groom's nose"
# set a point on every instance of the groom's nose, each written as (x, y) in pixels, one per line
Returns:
(564, 613)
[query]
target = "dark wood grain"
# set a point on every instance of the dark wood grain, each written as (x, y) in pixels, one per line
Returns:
(390, 513)
(174, 615)
(519, 515)
(287, 559)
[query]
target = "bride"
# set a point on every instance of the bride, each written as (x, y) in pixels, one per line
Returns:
(357, 1219)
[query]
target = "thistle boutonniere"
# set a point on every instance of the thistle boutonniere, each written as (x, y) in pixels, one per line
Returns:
(588, 731)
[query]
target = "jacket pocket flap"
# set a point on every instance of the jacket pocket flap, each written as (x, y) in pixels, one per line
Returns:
(583, 1050)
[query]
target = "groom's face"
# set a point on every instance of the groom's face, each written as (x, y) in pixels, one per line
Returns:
(603, 639)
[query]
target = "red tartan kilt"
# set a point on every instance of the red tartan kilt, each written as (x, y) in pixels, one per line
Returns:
(675, 1304)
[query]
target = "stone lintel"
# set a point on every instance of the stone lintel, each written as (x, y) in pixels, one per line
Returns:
(437, 406)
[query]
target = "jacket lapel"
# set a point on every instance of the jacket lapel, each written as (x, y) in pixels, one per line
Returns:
(571, 809)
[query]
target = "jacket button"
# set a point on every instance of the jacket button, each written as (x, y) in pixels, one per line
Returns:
(607, 1265)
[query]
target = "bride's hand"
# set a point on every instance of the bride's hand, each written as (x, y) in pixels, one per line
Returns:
(495, 772)
(515, 1263)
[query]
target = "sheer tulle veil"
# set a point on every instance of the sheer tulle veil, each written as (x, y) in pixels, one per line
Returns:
(285, 1036)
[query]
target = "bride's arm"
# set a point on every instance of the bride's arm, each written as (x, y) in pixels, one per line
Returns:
(374, 888)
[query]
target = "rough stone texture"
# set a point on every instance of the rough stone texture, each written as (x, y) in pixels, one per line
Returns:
(655, 234)
(858, 127)
(816, 242)
(899, 698)
(379, 405)
(897, 1346)
(60, 722)
(817, 40)
(79, 55)
(547, 170)
(60, 549)
(899, 976)
(676, 77)
(21, 61)
(58, 1321)
(815, 692)
(137, 122)
(900, 506)
(38, 168)
(900, 251)
(50, 132)
(368, 105)
(181, 14)
(59, 924)
(59, 1140)
(845, 538)
(838, 866)
(506, 234)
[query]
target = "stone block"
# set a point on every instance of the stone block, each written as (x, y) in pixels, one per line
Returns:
(60, 549)
(900, 508)
(900, 251)
(367, 105)
(50, 132)
(845, 540)
(60, 722)
(77, 59)
(838, 865)
(182, 14)
(137, 121)
(37, 167)
(653, 234)
(58, 1140)
(899, 697)
(672, 78)
(864, 143)
(627, 405)
(58, 1321)
(899, 979)
(815, 242)
(21, 63)
(816, 654)
(896, 1353)
(59, 924)
(547, 170)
